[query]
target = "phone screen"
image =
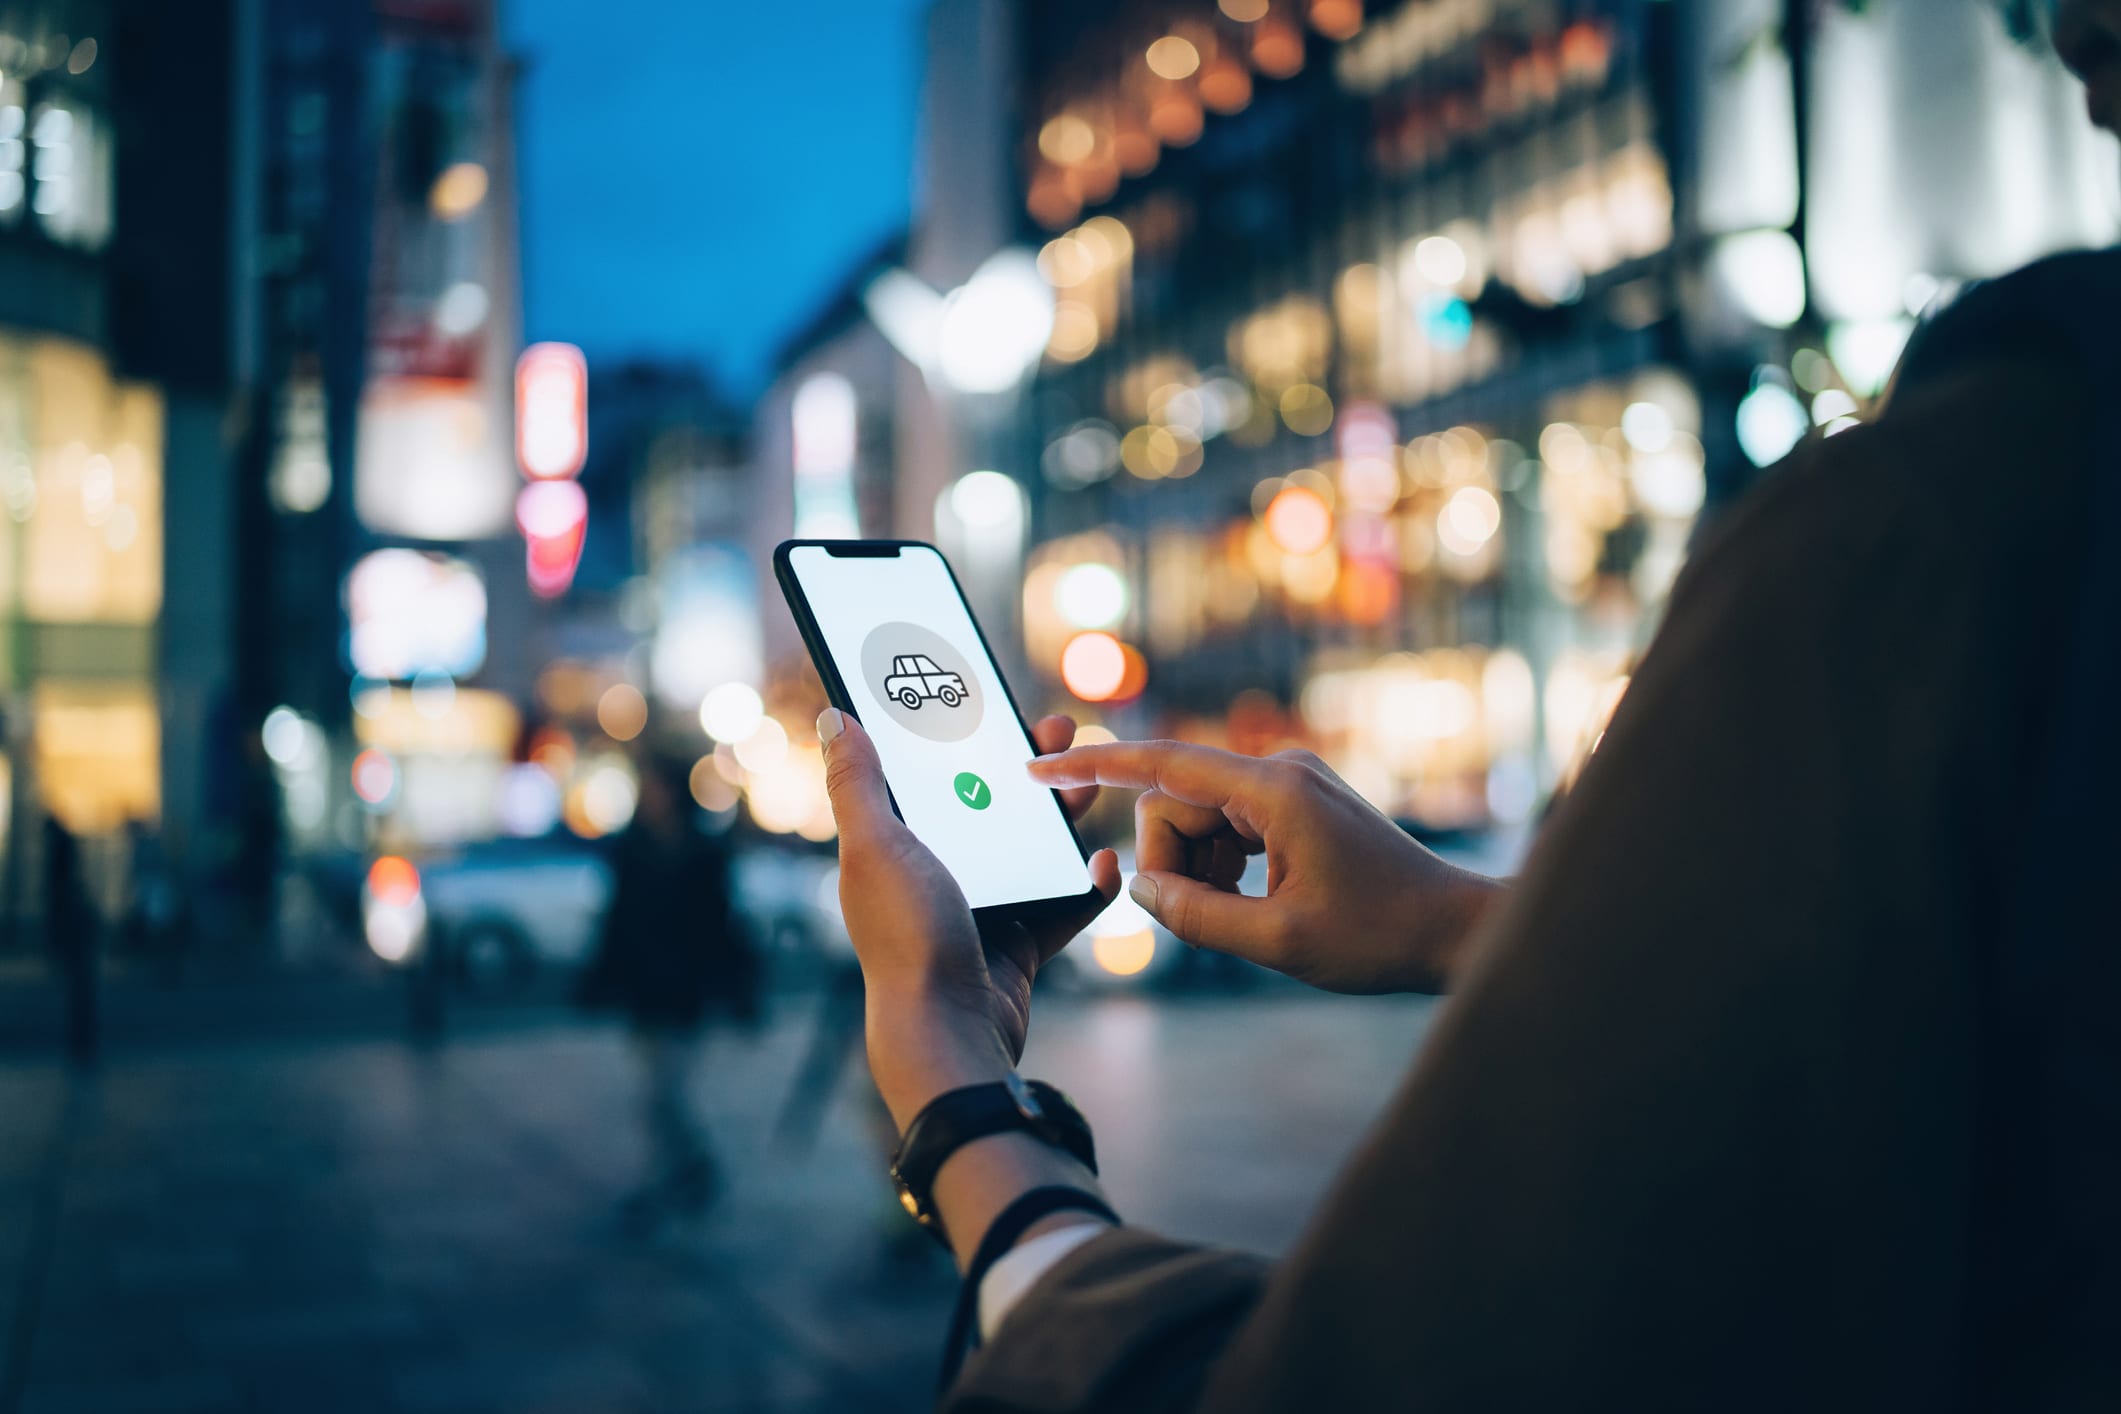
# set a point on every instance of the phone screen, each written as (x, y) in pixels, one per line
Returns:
(903, 642)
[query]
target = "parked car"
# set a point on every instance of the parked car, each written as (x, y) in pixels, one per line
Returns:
(509, 910)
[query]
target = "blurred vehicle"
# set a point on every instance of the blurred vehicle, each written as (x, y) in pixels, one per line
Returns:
(512, 908)
(508, 910)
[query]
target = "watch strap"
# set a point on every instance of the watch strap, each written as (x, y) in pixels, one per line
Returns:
(958, 1117)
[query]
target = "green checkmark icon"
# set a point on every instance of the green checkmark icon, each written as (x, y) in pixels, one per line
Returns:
(973, 791)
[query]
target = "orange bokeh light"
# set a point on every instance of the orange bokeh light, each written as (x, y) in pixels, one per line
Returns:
(1135, 680)
(1094, 666)
(1225, 84)
(1299, 521)
(1134, 147)
(393, 881)
(1368, 592)
(1175, 118)
(1277, 48)
(1125, 954)
(1337, 19)
(1052, 199)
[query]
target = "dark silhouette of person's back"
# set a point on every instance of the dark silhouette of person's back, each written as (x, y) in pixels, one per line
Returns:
(1786, 1077)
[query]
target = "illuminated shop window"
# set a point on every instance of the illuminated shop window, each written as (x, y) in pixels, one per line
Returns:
(98, 748)
(90, 508)
(70, 173)
(14, 153)
(411, 613)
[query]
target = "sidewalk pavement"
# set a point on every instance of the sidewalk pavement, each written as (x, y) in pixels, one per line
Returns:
(361, 1225)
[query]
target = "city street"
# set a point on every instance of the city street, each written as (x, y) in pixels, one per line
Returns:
(359, 1224)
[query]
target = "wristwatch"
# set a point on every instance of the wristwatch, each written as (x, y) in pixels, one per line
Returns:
(957, 1117)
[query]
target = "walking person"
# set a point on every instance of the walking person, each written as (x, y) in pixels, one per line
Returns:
(71, 930)
(673, 955)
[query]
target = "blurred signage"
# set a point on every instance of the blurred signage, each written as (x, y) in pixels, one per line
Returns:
(426, 466)
(476, 722)
(554, 519)
(823, 414)
(707, 624)
(552, 411)
(412, 612)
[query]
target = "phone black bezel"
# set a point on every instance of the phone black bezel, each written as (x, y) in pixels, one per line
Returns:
(1028, 911)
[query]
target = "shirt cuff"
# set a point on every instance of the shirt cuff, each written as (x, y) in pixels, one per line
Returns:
(1019, 1269)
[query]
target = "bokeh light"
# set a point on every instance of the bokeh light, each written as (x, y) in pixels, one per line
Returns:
(622, 711)
(709, 790)
(1173, 57)
(1299, 520)
(1468, 520)
(458, 191)
(609, 796)
(375, 777)
(764, 748)
(1091, 596)
(1123, 938)
(393, 881)
(731, 712)
(1307, 409)
(1093, 666)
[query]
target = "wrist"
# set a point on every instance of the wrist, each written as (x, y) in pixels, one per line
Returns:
(1450, 915)
(921, 1046)
(982, 1178)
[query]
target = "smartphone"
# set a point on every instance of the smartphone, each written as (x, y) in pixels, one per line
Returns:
(897, 647)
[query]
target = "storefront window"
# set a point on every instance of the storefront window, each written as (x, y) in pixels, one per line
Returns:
(70, 173)
(92, 513)
(14, 153)
(98, 753)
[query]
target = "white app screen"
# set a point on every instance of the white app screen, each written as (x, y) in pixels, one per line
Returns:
(952, 748)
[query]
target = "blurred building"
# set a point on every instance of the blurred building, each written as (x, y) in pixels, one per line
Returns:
(882, 419)
(123, 351)
(388, 605)
(1399, 347)
(665, 604)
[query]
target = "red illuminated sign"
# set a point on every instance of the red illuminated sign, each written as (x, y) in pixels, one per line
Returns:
(554, 518)
(552, 411)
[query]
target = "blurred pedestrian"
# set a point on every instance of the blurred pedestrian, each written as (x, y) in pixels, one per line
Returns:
(673, 954)
(149, 927)
(70, 937)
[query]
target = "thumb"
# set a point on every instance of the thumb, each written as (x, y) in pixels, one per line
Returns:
(854, 778)
(1205, 916)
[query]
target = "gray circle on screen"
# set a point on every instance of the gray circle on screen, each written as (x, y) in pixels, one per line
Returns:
(925, 685)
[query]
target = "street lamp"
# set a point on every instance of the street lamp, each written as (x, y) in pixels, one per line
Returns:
(982, 337)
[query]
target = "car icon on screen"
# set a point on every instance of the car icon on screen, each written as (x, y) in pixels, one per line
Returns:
(916, 679)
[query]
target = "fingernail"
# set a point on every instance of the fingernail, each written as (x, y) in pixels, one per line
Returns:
(830, 724)
(1143, 891)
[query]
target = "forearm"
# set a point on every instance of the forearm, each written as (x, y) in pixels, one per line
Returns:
(919, 1049)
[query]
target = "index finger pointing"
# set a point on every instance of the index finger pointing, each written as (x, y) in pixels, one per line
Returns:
(1197, 775)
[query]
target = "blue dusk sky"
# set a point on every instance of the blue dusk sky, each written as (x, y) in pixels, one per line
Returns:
(697, 175)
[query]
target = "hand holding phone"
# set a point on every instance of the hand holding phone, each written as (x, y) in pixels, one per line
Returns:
(898, 649)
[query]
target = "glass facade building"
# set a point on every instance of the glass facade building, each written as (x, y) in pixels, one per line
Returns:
(1400, 349)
